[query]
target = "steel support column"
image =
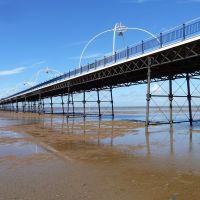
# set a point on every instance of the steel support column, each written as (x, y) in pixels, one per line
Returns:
(72, 96)
(148, 95)
(28, 106)
(13, 108)
(17, 106)
(111, 97)
(43, 105)
(84, 102)
(31, 108)
(34, 106)
(51, 105)
(25, 105)
(39, 104)
(99, 103)
(62, 102)
(170, 101)
(68, 102)
(189, 99)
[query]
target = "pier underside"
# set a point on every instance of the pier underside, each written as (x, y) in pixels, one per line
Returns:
(163, 67)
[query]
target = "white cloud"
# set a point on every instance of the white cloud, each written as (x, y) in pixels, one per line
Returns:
(36, 64)
(12, 71)
(39, 63)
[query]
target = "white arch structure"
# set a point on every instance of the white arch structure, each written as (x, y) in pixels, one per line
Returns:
(115, 29)
(46, 70)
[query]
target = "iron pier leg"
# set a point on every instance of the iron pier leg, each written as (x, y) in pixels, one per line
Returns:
(31, 106)
(72, 96)
(35, 109)
(25, 105)
(16, 106)
(63, 109)
(28, 106)
(111, 96)
(99, 103)
(84, 102)
(13, 108)
(148, 96)
(189, 99)
(22, 104)
(170, 100)
(68, 102)
(43, 110)
(51, 105)
(39, 104)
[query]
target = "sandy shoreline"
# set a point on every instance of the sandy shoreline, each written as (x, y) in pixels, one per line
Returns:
(74, 161)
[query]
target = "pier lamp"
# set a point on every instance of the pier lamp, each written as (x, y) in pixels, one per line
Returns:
(118, 28)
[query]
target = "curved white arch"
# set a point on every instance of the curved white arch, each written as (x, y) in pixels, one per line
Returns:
(114, 39)
(45, 70)
(89, 42)
(31, 84)
(143, 30)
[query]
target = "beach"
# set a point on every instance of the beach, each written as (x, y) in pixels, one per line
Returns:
(54, 157)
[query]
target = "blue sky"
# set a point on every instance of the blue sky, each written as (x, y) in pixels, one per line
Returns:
(40, 33)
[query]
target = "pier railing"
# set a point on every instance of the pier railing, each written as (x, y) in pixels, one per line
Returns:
(172, 36)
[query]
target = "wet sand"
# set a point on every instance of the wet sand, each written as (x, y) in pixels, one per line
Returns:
(51, 157)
